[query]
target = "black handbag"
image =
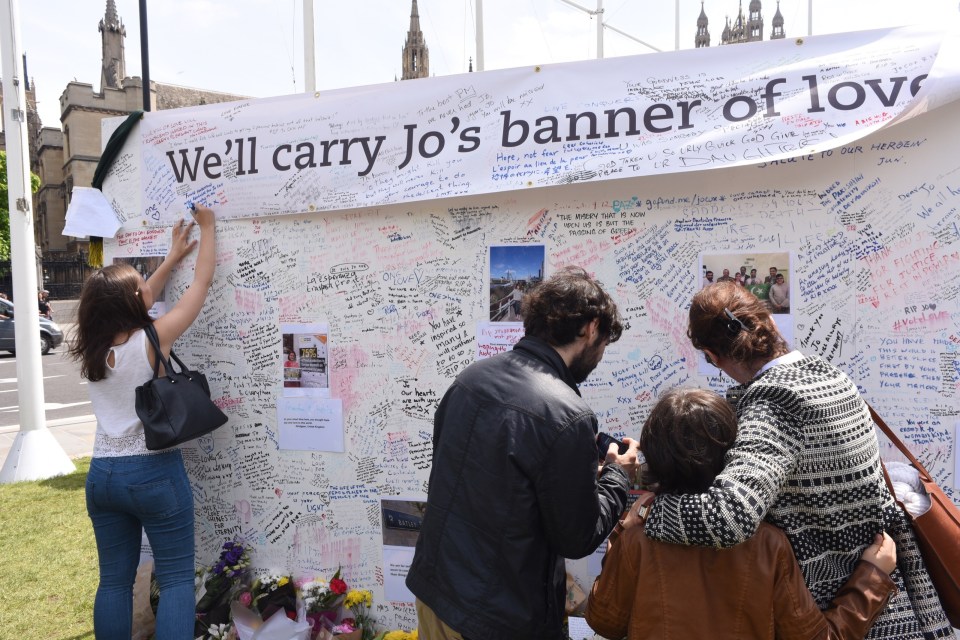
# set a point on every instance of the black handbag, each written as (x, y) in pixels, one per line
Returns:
(175, 407)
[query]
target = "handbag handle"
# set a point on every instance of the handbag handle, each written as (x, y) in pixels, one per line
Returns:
(898, 443)
(168, 367)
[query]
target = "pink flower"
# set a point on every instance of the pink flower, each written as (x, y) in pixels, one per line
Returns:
(302, 580)
(245, 598)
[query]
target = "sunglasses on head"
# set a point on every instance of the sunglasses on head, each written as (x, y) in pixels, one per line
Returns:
(733, 323)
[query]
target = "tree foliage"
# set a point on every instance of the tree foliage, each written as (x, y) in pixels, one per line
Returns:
(5, 202)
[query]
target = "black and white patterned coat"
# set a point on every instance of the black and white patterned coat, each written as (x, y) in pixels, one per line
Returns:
(806, 459)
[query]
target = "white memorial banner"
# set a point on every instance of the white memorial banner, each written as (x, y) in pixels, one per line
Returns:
(540, 126)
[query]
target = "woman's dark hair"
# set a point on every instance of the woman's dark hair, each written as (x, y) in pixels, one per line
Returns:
(730, 321)
(557, 309)
(110, 304)
(685, 439)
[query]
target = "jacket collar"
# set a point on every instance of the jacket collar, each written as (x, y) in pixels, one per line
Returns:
(542, 351)
(791, 358)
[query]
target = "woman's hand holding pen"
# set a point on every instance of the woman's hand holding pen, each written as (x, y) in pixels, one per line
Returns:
(180, 244)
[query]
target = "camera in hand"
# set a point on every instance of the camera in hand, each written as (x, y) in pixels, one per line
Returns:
(733, 396)
(604, 440)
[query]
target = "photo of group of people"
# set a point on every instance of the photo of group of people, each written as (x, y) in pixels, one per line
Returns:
(304, 361)
(766, 275)
(514, 269)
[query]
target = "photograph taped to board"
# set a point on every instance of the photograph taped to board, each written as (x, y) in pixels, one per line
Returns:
(766, 275)
(514, 270)
(306, 369)
(401, 521)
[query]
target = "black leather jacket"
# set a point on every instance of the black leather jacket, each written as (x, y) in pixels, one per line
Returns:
(513, 491)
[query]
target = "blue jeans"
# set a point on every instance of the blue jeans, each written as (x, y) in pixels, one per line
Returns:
(126, 494)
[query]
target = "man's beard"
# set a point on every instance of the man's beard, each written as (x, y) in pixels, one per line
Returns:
(587, 360)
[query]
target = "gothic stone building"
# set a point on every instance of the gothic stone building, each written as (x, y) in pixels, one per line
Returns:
(68, 157)
(747, 28)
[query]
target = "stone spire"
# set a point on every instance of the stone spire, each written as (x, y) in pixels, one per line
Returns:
(778, 32)
(755, 22)
(416, 56)
(702, 38)
(113, 32)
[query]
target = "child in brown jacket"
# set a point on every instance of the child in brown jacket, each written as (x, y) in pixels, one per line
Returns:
(650, 589)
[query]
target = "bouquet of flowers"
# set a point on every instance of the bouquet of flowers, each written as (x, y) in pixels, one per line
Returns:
(320, 596)
(361, 625)
(273, 593)
(322, 601)
(215, 585)
(268, 610)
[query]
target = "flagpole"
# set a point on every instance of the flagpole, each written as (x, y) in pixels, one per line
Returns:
(144, 56)
(35, 453)
(309, 49)
(479, 35)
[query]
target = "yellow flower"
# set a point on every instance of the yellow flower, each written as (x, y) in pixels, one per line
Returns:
(354, 597)
(282, 581)
(415, 634)
(397, 635)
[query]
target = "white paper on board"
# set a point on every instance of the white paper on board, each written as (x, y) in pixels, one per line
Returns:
(90, 214)
(310, 424)
(396, 564)
(497, 337)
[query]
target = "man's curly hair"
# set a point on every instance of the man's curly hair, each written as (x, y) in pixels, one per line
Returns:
(558, 308)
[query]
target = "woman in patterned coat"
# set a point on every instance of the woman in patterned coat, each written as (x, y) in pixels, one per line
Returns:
(806, 459)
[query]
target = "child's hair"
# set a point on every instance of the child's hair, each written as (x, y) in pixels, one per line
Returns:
(685, 439)
(111, 303)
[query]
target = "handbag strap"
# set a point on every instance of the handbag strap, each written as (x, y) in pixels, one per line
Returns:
(151, 332)
(895, 440)
(877, 420)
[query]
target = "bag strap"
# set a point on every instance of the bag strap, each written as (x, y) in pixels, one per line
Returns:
(151, 332)
(895, 440)
(877, 420)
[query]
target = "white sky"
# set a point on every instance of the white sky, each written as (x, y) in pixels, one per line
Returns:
(255, 47)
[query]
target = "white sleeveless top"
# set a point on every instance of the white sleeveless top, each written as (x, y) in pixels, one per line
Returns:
(119, 430)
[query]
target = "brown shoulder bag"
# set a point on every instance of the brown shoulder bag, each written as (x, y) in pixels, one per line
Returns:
(937, 531)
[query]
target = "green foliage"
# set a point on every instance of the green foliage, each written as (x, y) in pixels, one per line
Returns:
(48, 558)
(4, 203)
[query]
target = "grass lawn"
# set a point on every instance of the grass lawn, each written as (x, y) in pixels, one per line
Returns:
(48, 559)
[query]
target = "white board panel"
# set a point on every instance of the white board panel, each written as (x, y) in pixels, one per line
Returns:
(872, 229)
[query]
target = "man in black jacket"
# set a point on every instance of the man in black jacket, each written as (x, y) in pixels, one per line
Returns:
(514, 487)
